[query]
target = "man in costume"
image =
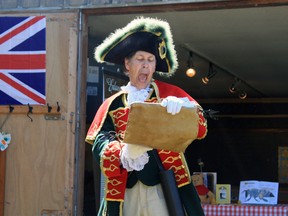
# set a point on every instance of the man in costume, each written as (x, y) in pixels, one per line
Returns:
(132, 182)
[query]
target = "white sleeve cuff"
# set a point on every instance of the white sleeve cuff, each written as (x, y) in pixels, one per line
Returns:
(133, 163)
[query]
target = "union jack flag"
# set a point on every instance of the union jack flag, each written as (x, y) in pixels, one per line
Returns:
(22, 60)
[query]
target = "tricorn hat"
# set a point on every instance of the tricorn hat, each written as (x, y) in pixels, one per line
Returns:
(145, 34)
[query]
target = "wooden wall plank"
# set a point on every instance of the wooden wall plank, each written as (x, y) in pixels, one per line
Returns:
(70, 128)
(2, 180)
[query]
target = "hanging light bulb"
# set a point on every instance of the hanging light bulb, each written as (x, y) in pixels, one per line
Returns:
(242, 94)
(233, 87)
(211, 73)
(190, 72)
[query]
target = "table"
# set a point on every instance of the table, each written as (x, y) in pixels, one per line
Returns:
(245, 210)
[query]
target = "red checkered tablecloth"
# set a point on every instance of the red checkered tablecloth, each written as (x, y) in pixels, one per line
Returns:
(245, 210)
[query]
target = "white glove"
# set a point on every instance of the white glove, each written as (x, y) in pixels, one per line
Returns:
(134, 157)
(134, 151)
(174, 104)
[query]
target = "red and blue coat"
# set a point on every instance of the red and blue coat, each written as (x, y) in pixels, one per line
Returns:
(106, 134)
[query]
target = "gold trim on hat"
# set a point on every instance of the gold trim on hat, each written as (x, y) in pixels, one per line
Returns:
(162, 49)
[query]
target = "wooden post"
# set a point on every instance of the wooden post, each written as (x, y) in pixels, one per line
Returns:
(2, 180)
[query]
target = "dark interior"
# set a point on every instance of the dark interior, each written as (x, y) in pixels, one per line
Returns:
(248, 43)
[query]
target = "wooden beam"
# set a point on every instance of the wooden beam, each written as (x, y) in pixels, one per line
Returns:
(182, 6)
(252, 116)
(247, 100)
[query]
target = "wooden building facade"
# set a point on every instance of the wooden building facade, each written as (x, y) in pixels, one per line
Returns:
(43, 168)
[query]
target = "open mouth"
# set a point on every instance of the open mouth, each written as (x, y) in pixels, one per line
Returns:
(142, 78)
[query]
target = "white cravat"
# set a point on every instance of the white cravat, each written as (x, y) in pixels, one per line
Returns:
(134, 94)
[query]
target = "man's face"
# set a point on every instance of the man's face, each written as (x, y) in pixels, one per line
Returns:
(141, 67)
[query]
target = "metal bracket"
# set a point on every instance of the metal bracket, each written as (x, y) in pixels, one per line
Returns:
(54, 117)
